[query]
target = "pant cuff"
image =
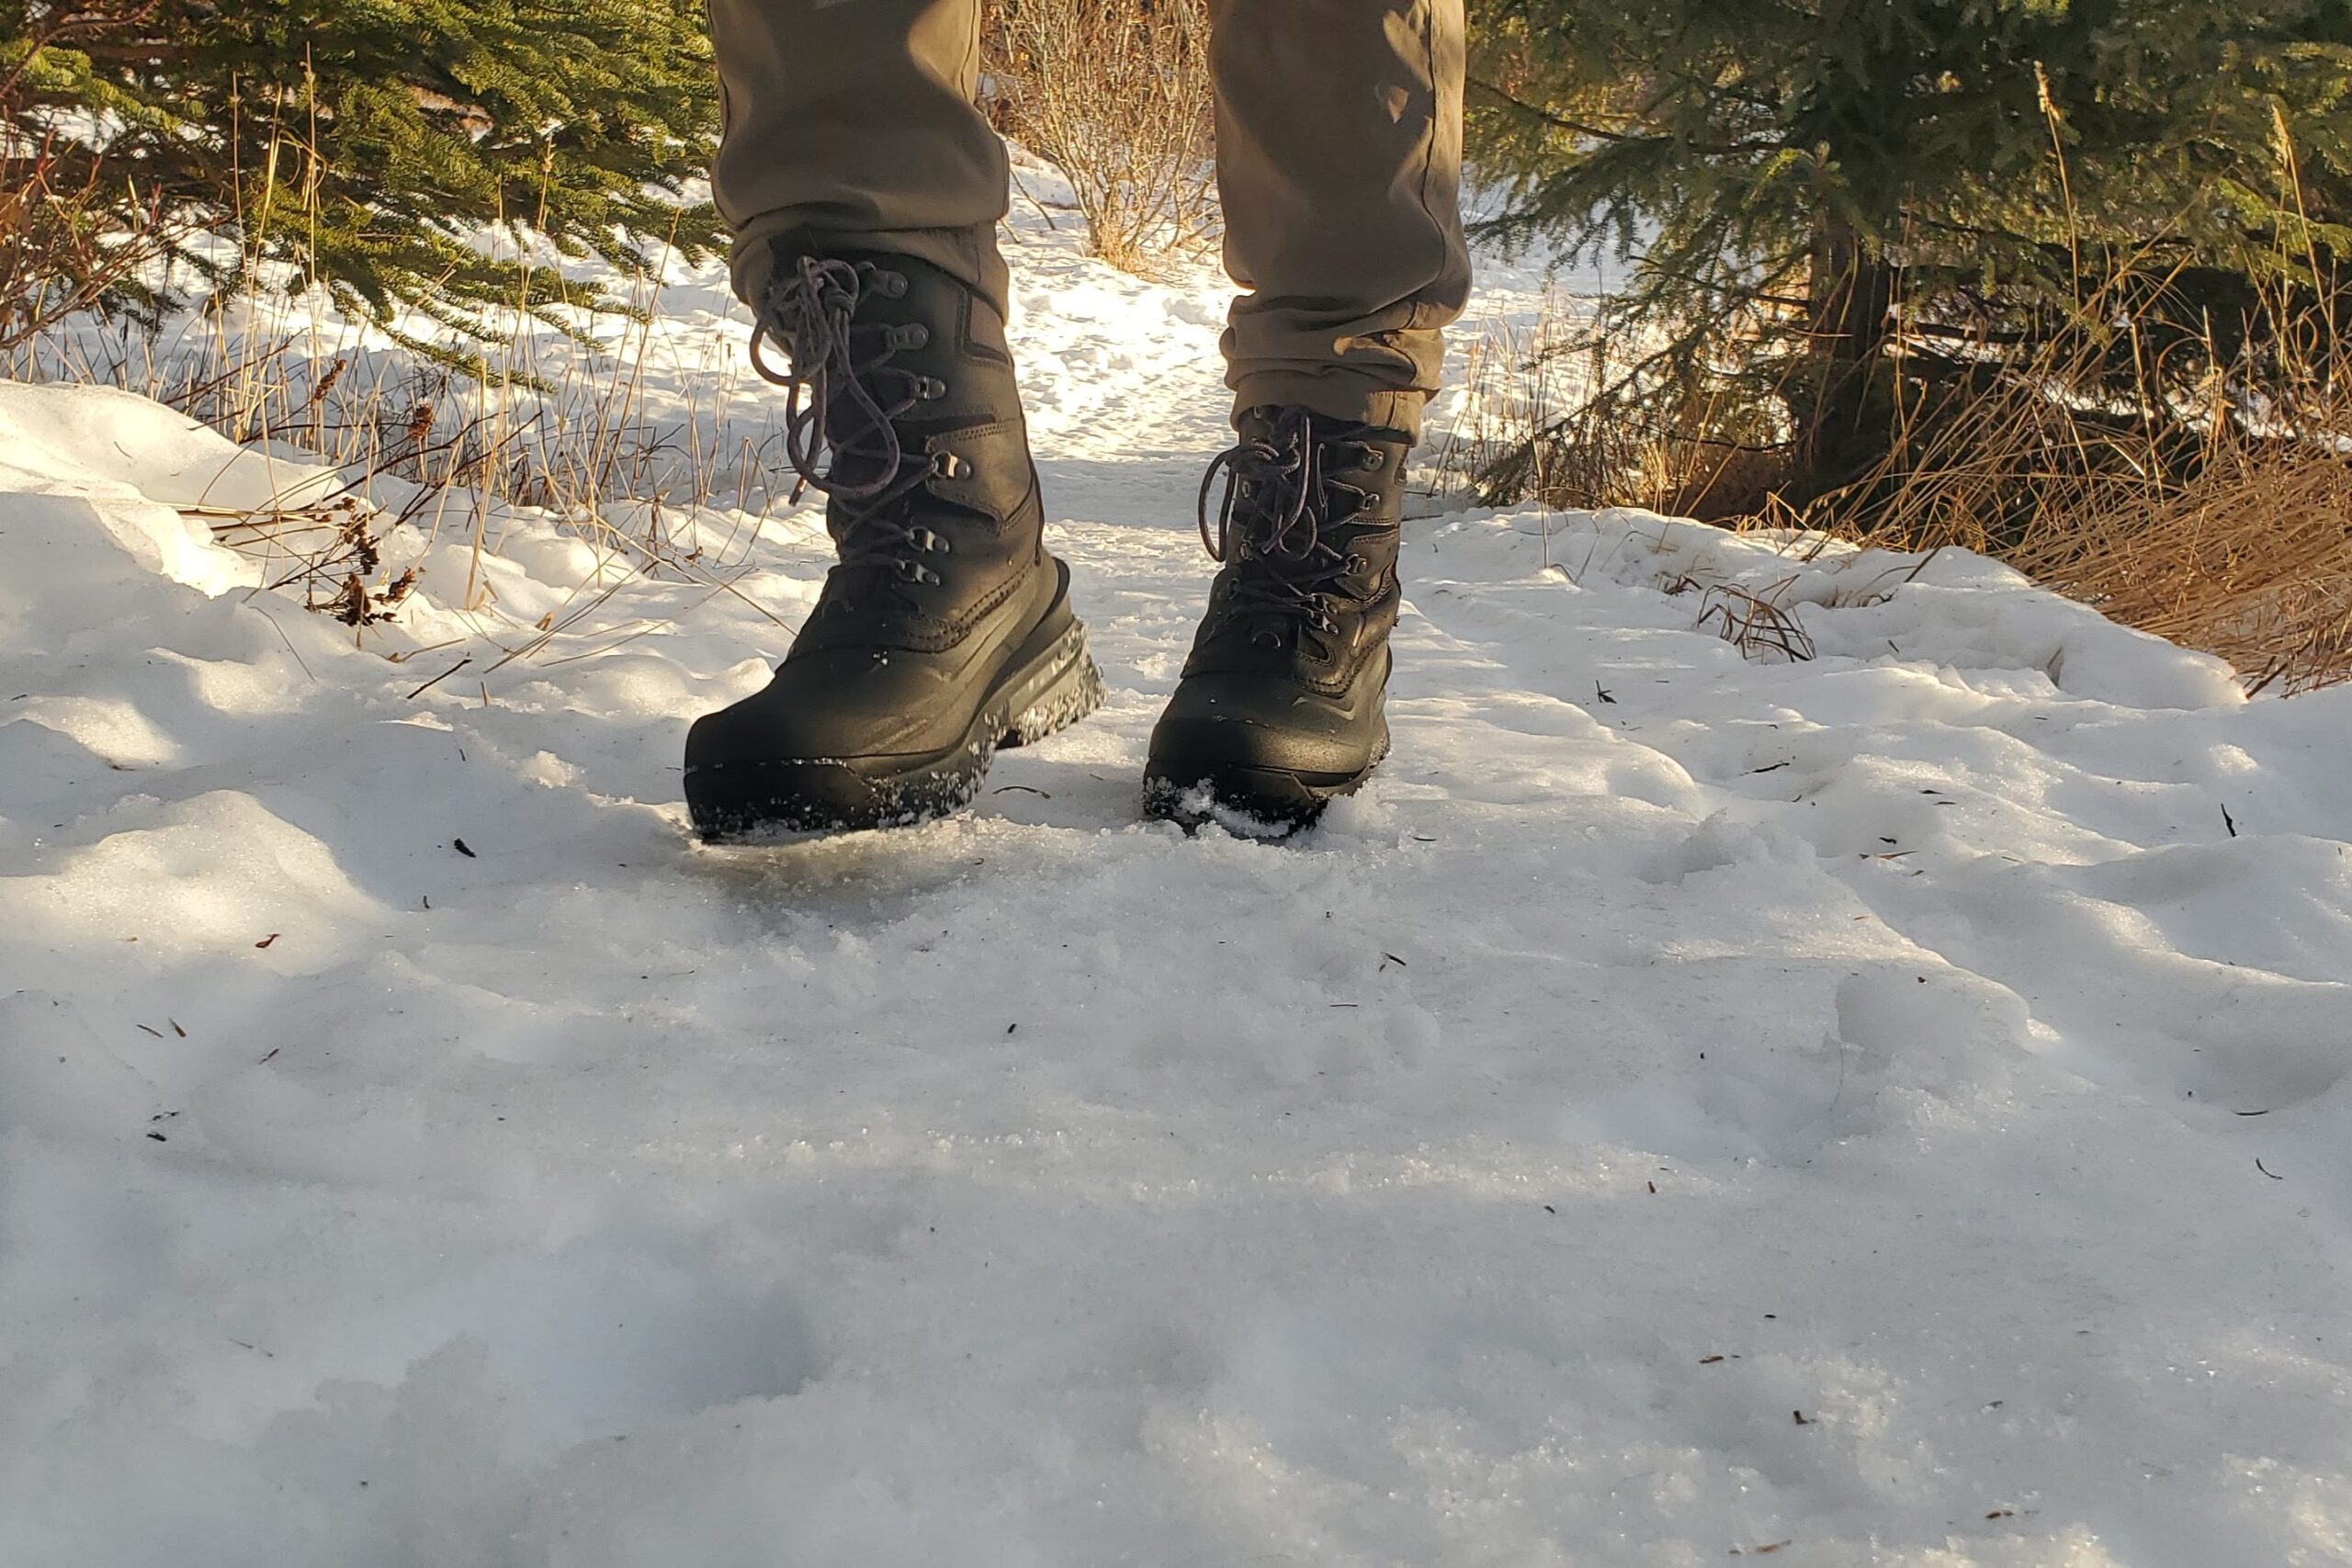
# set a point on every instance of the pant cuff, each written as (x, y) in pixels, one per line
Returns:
(1333, 394)
(970, 256)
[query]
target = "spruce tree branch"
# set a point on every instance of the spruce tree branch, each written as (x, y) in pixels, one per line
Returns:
(1600, 133)
(1557, 121)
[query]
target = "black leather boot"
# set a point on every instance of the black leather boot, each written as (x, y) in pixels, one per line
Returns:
(945, 630)
(1280, 707)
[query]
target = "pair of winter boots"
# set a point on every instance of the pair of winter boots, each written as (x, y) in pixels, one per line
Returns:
(945, 632)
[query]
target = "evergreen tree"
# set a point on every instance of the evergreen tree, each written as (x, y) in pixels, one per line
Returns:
(368, 144)
(1854, 212)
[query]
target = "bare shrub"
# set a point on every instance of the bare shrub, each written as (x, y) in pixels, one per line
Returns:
(78, 229)
(1556, 410)
(427, 451)
(1116, 95)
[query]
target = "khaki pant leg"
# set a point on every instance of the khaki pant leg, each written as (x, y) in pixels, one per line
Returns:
(852, 122)
(1339, 159)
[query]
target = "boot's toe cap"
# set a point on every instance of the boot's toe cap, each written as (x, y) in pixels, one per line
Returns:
(830, 709)
(1219, 727)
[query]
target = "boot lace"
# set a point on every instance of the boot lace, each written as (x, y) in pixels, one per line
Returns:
(844, 393)
(1280, 501)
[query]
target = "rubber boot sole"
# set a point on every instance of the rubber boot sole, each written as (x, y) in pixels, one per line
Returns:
(1253, 802)
(1046, 687)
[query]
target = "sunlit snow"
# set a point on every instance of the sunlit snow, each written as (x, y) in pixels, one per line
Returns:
(1892, 1104)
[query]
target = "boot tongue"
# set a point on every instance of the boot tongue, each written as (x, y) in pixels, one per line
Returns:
(1284, 592)
(1337, 545)
(1270, 621)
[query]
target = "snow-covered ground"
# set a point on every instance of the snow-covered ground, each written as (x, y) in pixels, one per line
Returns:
(1887, 1109)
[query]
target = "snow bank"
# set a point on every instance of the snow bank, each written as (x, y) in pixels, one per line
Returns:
(1891, 1104)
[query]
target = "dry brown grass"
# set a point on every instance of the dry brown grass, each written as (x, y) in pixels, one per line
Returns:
(1116, 95)
(1753, 621)
(2225, 527)
(2251, 561)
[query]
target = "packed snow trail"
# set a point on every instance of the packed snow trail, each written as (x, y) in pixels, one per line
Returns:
(1877, 1109)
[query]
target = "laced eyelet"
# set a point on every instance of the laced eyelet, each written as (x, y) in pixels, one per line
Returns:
(929, 543)
(930, 389)
(949, 466)
(915, 571)
(913, 335)
(889, 285)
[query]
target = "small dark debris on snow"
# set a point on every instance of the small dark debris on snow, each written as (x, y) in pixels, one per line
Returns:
(153, 1030)
(1799, 1418)
(1397, 961)
(461, 848)
(1602, 693)
(2264, 1112)
(175, 1027)
(1774, 769)
(1022, 789)
(1549, 1210)
(268, 939)
(274, 1050)
(2267, 1170)
(1653, 1189)
(444, 674)
(1711, 1361)
(159, 1137)
(1010, 1027)
(2230, 822)
(2002, 1514)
